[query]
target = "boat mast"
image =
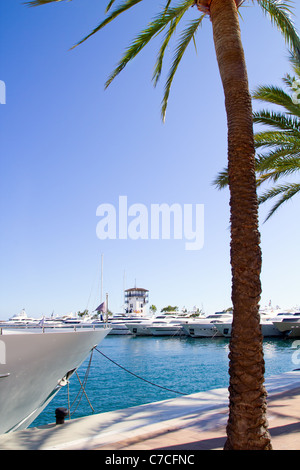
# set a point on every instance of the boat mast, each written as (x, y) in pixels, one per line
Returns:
(101, 299)
(106, 308)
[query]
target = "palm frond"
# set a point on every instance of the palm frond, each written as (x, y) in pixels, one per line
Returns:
(276, 138)
(278, 121)
(126, 5)
(283, 168)
(270, 160)
(295, 63)
(167, 5)
(289, 80)
(286, 191)
(276, 95)
(154, 27)
(185, 38)
(221, 181)
(36, 3)
(159, 62)
(109, 5)
(280, 13)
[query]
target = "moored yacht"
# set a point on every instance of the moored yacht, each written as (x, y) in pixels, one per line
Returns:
(20, 319)
(120, 324)
(273, 323)
(206, 327)
(171, 327)
(34, 365)
(267, 328)
(142, 327)
(167, 324)
(288, 324)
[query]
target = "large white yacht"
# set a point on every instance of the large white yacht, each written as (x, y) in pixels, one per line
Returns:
(267, 328)
(142, 327)
(34, 364)
(288, 324)
(273, 322)
(206, 327)
(20, 319)
(119, 324)
(167, 324)
(169, 329)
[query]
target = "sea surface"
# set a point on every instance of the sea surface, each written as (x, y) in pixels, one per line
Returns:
(130, 371)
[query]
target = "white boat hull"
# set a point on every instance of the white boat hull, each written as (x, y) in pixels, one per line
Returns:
(33, 366)
(119, 326)
(167, 331)
(290, 329)
(139, 329)
(201, 330)
(205, 328)
(161, 325)
(224, 329)
(267, 328)
(118, 329)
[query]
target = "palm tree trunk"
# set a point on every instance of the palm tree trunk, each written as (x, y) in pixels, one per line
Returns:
(247, 424)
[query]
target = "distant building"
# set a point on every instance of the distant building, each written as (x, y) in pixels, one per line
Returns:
(136, 300)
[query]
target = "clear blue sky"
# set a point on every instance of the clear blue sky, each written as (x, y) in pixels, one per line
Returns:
(67, 146)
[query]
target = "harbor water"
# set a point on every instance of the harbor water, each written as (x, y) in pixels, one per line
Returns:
(127, 371)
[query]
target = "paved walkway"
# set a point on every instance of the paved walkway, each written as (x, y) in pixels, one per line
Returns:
(191, 422)
(209, 431)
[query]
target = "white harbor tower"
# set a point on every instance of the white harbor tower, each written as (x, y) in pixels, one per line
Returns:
(136, 300)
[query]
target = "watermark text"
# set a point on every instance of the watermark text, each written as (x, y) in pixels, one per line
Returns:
(159, 222)
(2, 92)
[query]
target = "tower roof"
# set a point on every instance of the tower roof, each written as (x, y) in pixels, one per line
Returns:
(136, 288)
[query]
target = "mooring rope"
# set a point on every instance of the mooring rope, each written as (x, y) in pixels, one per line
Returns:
(82, 388)
(84, 382)
(137, 376)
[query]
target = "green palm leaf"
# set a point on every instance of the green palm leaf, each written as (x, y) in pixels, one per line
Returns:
(159, 62)
(280, 143)
(276, 95)
(184, 41)
(280, 14)
(278, 120)
(35, 3)
(155, 27)
(285, 191)
(272, 159)
(118, 11)
(273, 138)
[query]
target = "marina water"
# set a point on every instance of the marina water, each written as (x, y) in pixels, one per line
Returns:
(172, 365)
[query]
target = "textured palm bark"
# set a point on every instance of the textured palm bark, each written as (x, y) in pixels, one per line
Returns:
(247, 426)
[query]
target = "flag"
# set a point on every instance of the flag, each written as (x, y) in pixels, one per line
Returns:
(101, 308)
